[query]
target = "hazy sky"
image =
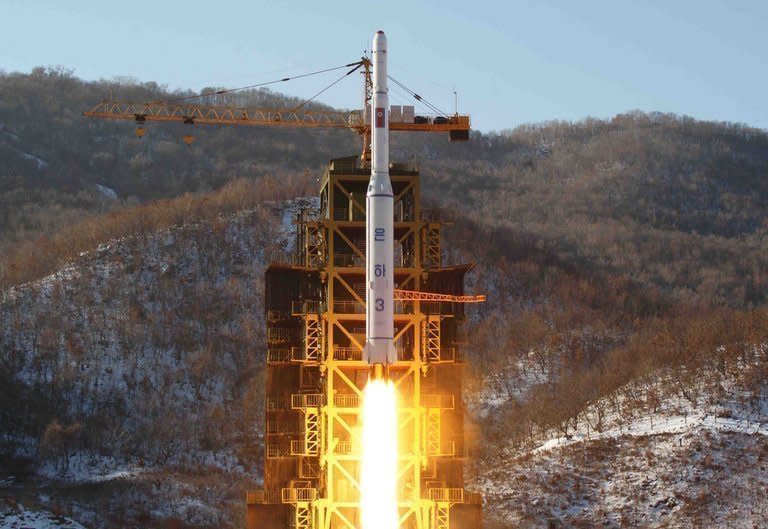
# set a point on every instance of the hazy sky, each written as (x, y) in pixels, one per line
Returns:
(511, 62)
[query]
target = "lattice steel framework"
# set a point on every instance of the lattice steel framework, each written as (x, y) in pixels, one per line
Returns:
(316, 475)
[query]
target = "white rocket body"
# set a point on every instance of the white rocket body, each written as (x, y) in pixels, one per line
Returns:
(379, 258)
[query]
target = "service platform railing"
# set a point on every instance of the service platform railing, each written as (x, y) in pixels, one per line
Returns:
(446, 495)
(262, 496)
(278, 355)
(347, 353)
(302, 401)
(278, 404)
(299, 354)
(440, 401)
(348, 307)
(281, 335)
(298, 447)
(290, 495)
(343, 448)
(277, 315)
(305, 306)
(346, 400)
(276, 450)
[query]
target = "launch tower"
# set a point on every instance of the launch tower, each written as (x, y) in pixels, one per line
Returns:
(315, 312)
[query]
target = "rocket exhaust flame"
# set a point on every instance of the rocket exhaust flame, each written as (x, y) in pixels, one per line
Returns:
(378, 477)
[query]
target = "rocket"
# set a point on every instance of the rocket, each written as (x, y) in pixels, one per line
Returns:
(379, 250)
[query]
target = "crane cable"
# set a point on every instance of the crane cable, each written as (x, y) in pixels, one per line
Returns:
(417, 97)
(357, 67)
(258, 85)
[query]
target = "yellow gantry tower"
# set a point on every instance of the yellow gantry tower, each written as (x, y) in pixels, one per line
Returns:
(315, 310)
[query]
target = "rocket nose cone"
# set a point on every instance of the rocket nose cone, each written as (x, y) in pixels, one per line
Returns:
(379, 41)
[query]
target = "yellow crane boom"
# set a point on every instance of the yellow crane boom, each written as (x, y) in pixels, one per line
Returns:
(457, 126)
(192, 114)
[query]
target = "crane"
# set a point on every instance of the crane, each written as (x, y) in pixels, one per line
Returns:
(180, 110)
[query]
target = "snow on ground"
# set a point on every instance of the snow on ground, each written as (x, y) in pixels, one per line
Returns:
(696, 479)
(675, 461)
(15, 516)
(122, 324)
(39, 161)
(4, 130)
(108, 192)
(664, 424)
(510, 383)
(84, 467)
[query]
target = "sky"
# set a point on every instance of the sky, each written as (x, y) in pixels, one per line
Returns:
(509, 62)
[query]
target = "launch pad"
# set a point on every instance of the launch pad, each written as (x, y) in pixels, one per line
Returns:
(315, 374)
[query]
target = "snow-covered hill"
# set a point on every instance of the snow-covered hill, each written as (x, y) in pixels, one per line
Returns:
(135, 374)
(653, 454)
(139, 365)
(15, 516)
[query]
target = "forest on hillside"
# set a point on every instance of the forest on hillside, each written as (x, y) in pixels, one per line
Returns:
(146, 351)
(55, 164)
(673, 204)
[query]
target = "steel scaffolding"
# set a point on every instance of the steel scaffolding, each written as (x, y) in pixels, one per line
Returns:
(315, 371)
